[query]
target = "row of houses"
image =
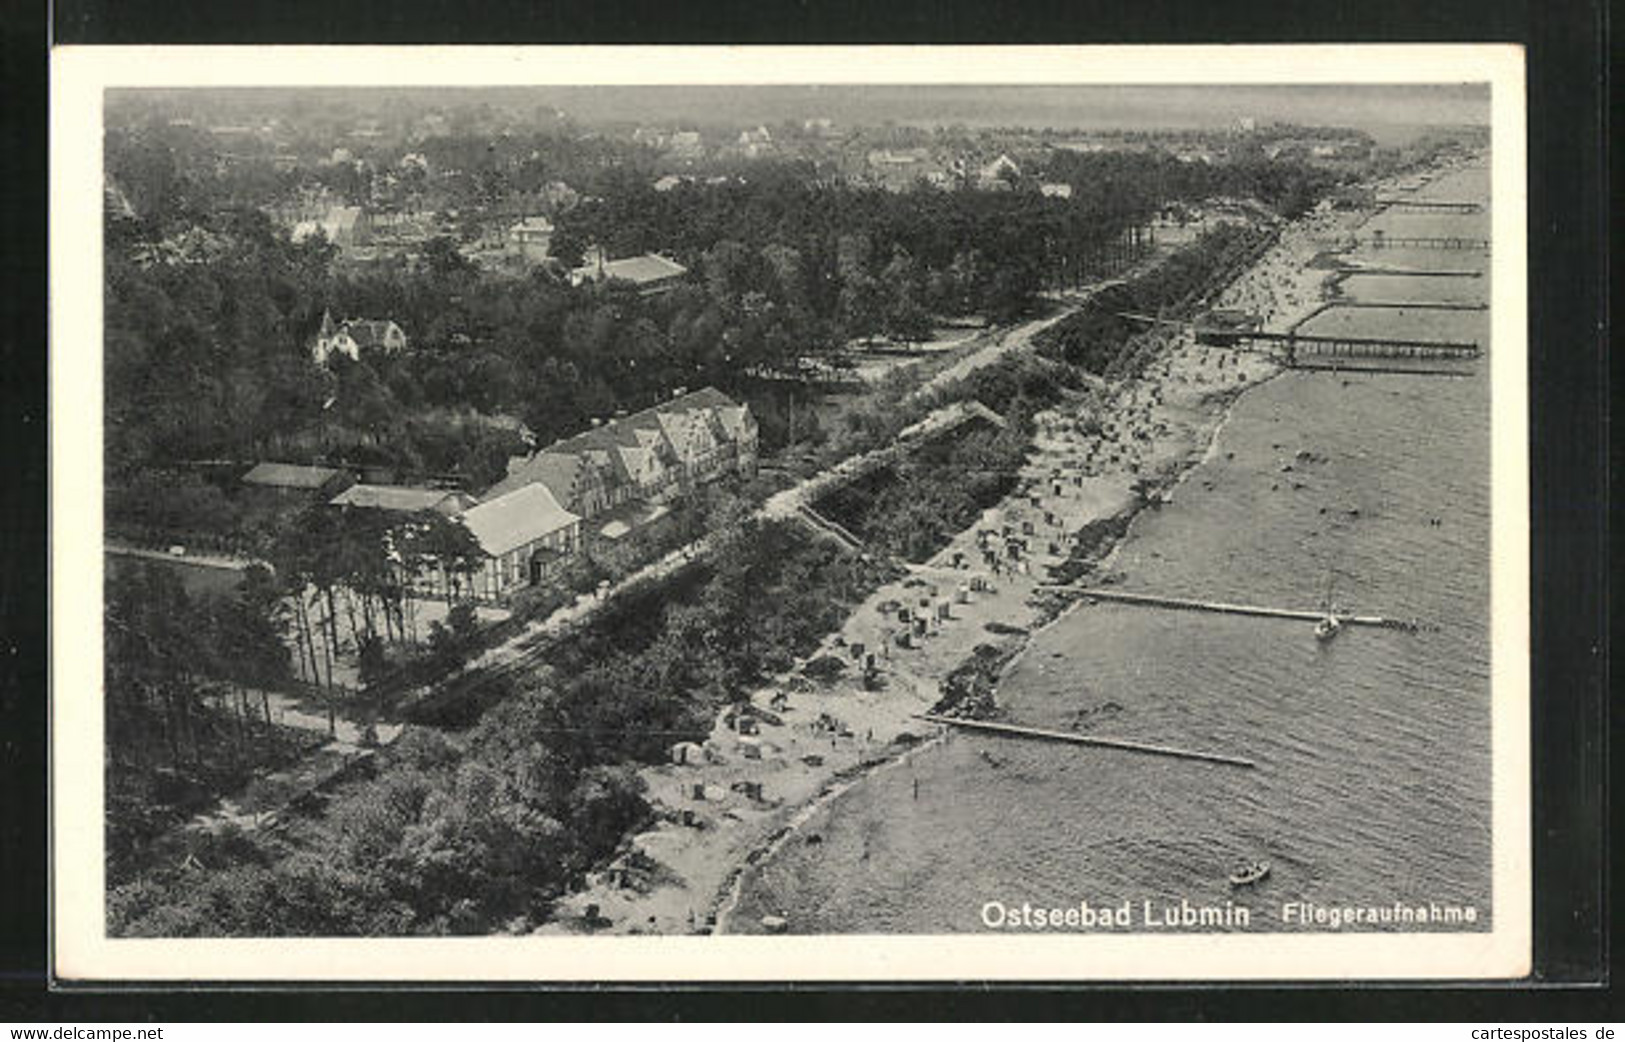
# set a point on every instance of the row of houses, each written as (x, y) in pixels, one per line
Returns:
(653, 455)
(591, 490)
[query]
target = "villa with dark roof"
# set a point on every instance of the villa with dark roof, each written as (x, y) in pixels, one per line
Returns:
(297, 481)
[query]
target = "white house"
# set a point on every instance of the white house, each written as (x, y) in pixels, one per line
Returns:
(355, 337)
(527, 538)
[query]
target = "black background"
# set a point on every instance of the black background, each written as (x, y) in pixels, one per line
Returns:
(1570, 369)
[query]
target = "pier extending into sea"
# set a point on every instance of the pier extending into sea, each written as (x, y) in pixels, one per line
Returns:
(1187, 604)
(1017, 731)
(1379, 241)
(1430, 205)
(1294, 343)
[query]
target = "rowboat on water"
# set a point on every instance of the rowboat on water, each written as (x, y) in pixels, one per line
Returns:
(1250, 873)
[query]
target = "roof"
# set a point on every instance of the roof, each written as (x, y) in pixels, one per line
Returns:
(628, 518)
(532, 224)
(513, 520)
(608, 446)
(624, 431)
(648, 268)
(391, 497)
(290, 475)
(559, 471)
(369, 332)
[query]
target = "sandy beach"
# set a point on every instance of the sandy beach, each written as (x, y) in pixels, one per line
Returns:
(742, 795)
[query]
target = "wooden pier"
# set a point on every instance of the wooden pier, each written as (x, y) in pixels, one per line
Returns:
(1186, 604)
(1424, 242)
(1414, 242)
(1324, 346)
(1381, 370)
(1400, 305)
(1359, 268)
(1370, 347)
(1429, 205)
(1124, 744)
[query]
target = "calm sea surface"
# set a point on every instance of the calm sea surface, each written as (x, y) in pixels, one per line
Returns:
(1373, 755)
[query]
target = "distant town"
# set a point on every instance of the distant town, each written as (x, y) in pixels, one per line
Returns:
(467, 460)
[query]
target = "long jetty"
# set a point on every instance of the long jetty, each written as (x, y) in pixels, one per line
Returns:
(1124, 744)
(1386, 370)
(1400, 305)
(1430, 205)
(1371, 347)
(1419, 242)
(1324, 346)
(1424, 242)
(1186, 604)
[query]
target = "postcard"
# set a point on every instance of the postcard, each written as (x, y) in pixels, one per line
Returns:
(789, 513)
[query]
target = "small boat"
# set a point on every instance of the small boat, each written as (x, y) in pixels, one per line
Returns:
(1329, 625)
(1248, 874)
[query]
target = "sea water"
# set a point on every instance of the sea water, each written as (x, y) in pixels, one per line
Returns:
(1372, 782)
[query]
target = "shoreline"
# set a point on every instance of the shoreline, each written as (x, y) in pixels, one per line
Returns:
(707, 863)
(1048, 607)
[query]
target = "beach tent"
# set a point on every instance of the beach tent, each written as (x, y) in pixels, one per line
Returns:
(687, 753)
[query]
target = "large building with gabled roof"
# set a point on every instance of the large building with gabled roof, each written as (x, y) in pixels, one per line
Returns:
(650, 272)
(526, 536)
(651, 456)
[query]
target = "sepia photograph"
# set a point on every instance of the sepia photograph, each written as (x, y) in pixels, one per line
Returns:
(674, 513)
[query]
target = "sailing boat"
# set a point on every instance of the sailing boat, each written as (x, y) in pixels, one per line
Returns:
(1329, 625)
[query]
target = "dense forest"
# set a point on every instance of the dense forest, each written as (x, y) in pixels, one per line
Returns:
(1098, 339)
(478, 832)
(213, 351)
(185, 717)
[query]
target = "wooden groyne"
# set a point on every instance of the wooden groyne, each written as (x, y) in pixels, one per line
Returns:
(1124, 744)
(1186, 604)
